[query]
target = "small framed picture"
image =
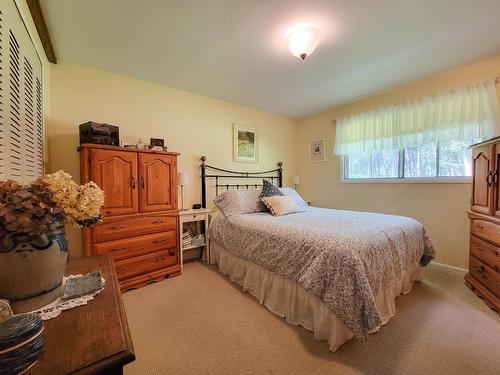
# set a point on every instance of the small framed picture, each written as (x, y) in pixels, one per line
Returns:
(317, 150)
(156, 142)
(245, 144)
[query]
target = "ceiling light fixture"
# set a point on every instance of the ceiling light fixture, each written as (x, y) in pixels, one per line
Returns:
(302, 40)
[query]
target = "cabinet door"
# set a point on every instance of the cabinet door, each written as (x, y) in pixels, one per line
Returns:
(496, 180)
(482, 169)
(158, 185)
(116, 173)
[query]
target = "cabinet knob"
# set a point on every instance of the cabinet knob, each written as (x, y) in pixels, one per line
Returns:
(478, 226)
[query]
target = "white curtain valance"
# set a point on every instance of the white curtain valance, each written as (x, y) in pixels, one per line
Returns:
(466, 114)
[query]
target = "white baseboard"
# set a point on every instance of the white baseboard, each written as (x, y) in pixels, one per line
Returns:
(451, 268)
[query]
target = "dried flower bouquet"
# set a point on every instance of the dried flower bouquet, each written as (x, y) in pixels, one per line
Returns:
(43, 206)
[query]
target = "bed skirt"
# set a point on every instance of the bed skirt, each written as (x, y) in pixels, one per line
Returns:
(286, 298)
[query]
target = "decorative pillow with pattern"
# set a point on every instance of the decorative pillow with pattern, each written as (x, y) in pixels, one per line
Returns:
(235, 202)
(268, 190)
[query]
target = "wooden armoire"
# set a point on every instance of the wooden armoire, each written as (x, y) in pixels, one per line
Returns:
(140, 216)
(484, 258)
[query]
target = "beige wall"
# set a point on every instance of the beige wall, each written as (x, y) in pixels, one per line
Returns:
(440, 207)
(191, 124)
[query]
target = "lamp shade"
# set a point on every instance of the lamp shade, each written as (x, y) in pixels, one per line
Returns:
(302, 40)
(182, 178)
(296, 180)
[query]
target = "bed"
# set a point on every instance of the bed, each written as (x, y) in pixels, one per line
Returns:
(334, 272)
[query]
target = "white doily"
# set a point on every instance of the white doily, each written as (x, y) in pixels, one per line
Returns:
(55, 308)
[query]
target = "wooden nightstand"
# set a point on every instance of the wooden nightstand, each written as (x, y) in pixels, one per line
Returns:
(197, 221)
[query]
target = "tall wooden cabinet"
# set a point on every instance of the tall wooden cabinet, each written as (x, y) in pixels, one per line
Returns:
(140, 225)
(484, 259)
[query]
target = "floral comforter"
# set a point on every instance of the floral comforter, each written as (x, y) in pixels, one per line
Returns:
(341, 257)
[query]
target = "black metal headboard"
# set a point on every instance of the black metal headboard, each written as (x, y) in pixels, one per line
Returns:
(207, 171)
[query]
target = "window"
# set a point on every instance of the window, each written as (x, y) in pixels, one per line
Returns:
(435, 160)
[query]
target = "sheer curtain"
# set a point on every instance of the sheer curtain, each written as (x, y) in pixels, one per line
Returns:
(465, 114)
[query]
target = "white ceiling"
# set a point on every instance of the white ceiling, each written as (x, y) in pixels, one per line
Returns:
(235, 49)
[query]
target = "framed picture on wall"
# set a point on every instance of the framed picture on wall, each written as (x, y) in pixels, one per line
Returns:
(317, 150)
(245, 143)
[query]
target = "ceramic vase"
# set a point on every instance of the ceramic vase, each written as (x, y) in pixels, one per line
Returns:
(32, 269)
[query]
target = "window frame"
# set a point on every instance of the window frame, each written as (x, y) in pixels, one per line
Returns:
(344, 162)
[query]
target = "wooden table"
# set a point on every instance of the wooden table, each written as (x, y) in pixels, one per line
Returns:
(90, 339)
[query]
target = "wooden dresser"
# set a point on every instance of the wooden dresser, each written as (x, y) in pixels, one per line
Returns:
(141, 222)
(484, 259)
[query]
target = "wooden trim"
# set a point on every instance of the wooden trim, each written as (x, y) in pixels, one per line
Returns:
(116, 148)
(488, 297)
(477, 215)
(41, 28)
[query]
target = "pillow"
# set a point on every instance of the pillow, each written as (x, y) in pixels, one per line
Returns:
(280, 205)
(235, 202)
(292, 193)
(269, 190)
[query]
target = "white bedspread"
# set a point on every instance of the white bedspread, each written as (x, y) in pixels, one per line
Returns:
(343, 258)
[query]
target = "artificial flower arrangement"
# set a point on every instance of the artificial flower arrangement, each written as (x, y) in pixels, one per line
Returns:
(42, 207)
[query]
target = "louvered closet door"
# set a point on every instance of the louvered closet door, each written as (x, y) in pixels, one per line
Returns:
(21, 107)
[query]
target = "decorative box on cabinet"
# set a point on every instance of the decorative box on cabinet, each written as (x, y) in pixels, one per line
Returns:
(484, 258)
(140, 227)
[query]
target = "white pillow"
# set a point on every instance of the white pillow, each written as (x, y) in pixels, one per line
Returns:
(292, 193)
(280, 205)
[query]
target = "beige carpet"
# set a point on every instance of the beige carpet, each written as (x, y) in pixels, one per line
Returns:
(201, 323)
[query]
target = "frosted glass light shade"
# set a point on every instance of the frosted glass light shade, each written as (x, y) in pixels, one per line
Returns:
(182, 178)
(303, 40)
(296, 180)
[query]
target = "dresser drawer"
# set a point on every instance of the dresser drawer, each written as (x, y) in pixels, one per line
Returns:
(146, 263)
(485, 252)
(135, 226)
(485, 230)
(194, 217)
(485, 275)
(132, 247)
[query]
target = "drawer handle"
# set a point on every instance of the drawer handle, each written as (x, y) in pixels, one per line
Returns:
(116, 249)
(117, 227)
(121, 269)
(156, 242)
(478, 226)
(488, 179)
(171, 251)
(194, 216)
(133, 182)
(480, 269)
(159, 259)
(157, 221)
